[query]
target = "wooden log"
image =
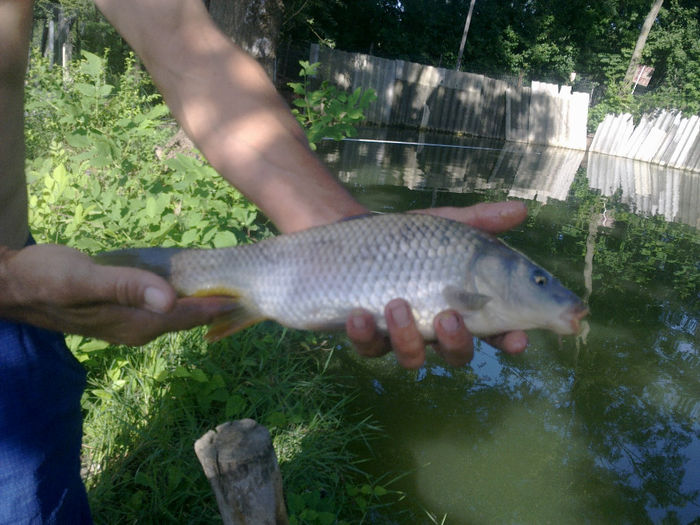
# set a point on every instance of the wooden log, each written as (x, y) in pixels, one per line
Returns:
(240, 463)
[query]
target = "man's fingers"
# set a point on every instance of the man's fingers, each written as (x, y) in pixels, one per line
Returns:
(76, 280)
(510, 342)
(135, 326)
(407, 341)
(493, 217)
(362, 331)
(132, 287)
(455, 343)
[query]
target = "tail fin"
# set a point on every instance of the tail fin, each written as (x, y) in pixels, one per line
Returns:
(156, 260)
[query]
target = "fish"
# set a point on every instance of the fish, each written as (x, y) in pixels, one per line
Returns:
(313, 279)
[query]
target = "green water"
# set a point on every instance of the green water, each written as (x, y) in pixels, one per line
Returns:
(599, 428)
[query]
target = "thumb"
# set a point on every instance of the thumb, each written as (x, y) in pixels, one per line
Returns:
(133, 287)
(59, 275)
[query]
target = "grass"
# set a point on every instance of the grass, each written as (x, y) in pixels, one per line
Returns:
(145, 407)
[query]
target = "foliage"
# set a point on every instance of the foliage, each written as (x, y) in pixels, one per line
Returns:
(674, 50)
(99, 179)
(327, 112)
(101, 184)
(540, 40)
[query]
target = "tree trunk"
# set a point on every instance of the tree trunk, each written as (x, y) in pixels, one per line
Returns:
(464, 35)
(252, 24)
(628, 83)
(240, 463)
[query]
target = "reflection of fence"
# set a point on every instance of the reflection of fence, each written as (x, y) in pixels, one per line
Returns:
(522, 170)
(648, 188)
(415, 95)
(663, 138)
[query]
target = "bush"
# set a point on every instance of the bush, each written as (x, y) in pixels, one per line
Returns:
(327, 112)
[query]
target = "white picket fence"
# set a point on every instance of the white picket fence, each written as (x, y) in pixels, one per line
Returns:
(664, 137)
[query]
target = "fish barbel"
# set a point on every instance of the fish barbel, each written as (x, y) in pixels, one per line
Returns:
(313, 279)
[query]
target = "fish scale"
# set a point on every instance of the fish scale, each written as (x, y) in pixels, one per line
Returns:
(313, 279)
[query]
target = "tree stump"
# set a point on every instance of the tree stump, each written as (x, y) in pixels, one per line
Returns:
(240, 463)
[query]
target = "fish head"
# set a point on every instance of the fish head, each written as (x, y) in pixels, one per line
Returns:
(526, 296)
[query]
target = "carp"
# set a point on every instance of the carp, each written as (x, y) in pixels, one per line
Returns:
(313, 279)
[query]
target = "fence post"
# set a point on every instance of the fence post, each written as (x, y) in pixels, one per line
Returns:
(240, 463)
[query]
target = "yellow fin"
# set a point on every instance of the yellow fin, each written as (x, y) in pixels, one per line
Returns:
(239, 318)
(217, 291)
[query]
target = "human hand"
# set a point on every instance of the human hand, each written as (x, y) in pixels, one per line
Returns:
(59, 288)
(454, 341)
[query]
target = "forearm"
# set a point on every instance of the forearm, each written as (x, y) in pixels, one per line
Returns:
(15, 23)
(231, 110)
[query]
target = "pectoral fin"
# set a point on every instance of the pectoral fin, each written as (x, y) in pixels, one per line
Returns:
(464, 301)
(239, 318)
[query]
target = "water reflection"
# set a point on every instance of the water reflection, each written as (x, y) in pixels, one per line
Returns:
(649, 189)
(432, 161)
(601, 429)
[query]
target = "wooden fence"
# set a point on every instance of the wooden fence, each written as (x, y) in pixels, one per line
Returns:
(427, 97)
(664, 138)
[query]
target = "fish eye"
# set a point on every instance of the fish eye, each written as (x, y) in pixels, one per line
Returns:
(539, 278)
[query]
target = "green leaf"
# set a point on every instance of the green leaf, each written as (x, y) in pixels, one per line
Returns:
(224, 239)
(151, 207)
(181, 371)
(157, 111)
(235, 405)
(189, 237)
(142, 479)
(79, 139)
(199, 375)
(380, 491)
(85, 89)
(326, 518)
(276, 419)
(104, 91)
(93, 345)
(92, 65)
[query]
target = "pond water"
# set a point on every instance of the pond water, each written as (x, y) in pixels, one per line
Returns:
(603, 427)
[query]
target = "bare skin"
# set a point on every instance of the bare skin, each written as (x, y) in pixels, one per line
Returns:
(225, 102)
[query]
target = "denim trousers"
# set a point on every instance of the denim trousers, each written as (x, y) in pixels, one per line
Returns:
(41, 384)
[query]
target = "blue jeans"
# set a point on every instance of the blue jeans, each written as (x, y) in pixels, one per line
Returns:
(40, 428)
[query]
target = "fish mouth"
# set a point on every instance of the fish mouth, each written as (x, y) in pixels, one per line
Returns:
(571, 318)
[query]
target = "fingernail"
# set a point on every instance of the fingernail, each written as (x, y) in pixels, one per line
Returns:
(513, 208)
(400, 314)
(449, 322)
(357, 319)
(520, 344)
(155, 300)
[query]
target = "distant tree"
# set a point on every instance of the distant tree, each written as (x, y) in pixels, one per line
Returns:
(636, 59)
(252, 24)
(467, 23)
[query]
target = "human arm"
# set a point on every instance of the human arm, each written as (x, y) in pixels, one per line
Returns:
(15, 22)
(57, 287)
(230, 109)
(232, 112)
(61, 289)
